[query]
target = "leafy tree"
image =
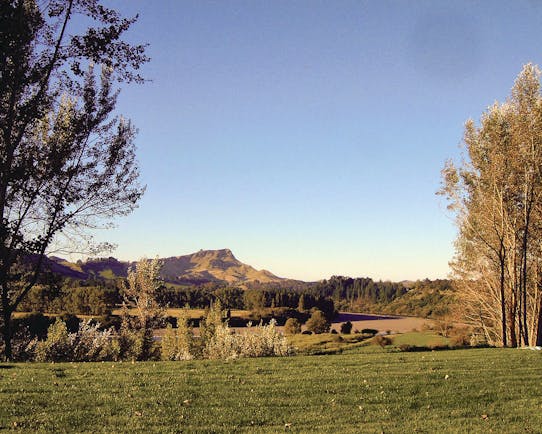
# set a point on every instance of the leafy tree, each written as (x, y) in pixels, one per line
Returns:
(496, 195)
(140, 294)
(254, 300)
(66, 162)
(318, 323)
(230, 298)
(302, 304)
(346, 328)
(292, 326)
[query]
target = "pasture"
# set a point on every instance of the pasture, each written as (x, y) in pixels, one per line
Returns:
(364, 390)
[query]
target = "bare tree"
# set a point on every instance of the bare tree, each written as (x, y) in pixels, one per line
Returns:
(495, 194)
(67, 163)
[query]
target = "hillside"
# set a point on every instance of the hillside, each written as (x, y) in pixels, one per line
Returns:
(205, 266)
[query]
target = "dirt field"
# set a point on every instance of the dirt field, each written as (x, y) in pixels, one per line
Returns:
(395, 324)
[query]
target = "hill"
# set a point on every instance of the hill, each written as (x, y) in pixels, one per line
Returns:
(205, 266)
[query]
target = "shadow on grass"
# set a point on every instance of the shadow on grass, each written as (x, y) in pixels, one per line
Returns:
(7, 366)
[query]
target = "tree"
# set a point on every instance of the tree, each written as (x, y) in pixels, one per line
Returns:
(67, 164)
(346, 328)
(140, 294)
(317, 323)
(292, 326)
(496, 195)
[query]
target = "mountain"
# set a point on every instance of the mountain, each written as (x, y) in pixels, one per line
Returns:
(213, 266)
(205, 266)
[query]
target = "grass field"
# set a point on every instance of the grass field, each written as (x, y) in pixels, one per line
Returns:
(477, 390)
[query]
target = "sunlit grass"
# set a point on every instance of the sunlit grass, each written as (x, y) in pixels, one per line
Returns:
(480, 390)
(420, 339)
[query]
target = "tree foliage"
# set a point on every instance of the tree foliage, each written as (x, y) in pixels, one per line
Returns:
(495, 193)
(318, 323)
(67, 163)
(140, 294)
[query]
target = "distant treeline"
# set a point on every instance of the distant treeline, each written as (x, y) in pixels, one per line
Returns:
(101, 296)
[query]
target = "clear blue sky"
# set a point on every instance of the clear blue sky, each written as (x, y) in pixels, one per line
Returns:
(308, 136)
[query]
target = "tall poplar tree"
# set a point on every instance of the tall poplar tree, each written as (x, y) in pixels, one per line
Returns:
(66, 162)
(495, 193)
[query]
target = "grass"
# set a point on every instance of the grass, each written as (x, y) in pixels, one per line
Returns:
(326, 343)
(419, 339)
(479, 390)
(107, 274)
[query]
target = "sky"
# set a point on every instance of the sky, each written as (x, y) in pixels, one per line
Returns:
(308, 136)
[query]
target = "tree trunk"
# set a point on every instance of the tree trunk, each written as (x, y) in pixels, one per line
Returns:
(539, 331)
(6, 332)
(523, 286)
(512, 322)
(503, 305)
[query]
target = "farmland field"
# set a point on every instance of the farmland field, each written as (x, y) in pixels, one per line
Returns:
(371, 390)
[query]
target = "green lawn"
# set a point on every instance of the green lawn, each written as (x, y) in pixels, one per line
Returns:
(419, 339)
(478, 390)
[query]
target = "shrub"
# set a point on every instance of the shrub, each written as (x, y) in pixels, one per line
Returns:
(346, 328)
(90, 344)
(264, 340)
(57, 347)
(318, 323)
(383, 341)
(292, 326)
(221, 345)
(86, 345)
(137, 343)
(23, 345)
(209, 324)
(178, 343)
(259, 341)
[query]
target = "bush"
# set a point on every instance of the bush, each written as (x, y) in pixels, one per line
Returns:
(292, 326)
(318, 323)
(178, 343)
(57, 347)
(259, 341)
(23, 345)
(346, 328)
(137, 343)
(88, 344)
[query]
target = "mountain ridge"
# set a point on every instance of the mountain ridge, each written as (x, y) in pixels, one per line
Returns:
(204, 266)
